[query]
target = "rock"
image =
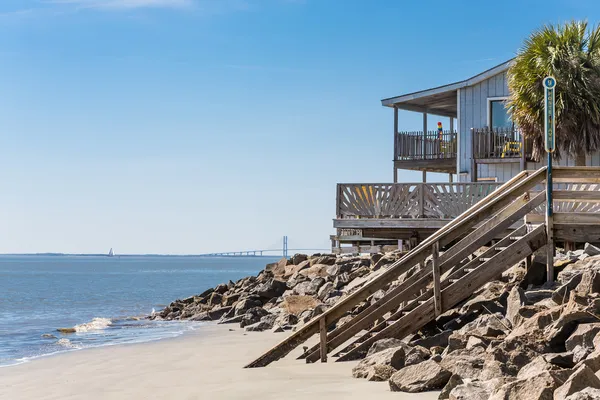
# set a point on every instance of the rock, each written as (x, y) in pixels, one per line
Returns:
(212, 315)
(285, 319)
(585, 394)
(580, 353)
(271, 288)
(453, 382)
(325, 259)
(245, 304)
(468, 364)
(253, 316)
(380, 373)
(416, 355)
(277, 269)
(582, 378)
(266, 322)
(298, 258)
(66, 330)
(341, 280)
(303, 288)
(221, 288)
(538, 295)
(392, 357)
(572, 315)
(516, 299)
(475, 341)
(592, 361)
(232, 320)
(440, 339)
(590, 282)
(314, 286)
(591, 250)
(478, 390)
(561, 360)
(338, 269)
(231, 299)
(456, 341)
(539, 387)
(536, 323)
(561, 295)
(215, 299)
(384, 344)
(486, 325)
(536, 367)
(325, 291)
(583, 336)
(428, 375)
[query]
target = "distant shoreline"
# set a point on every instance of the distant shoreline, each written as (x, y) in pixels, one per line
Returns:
(133, 255)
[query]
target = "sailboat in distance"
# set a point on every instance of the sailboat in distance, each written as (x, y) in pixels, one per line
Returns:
(111, 253)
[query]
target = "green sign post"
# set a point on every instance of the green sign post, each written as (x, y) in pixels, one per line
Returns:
(550, 145)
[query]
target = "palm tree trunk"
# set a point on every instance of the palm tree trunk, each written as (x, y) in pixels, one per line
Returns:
(580, 159)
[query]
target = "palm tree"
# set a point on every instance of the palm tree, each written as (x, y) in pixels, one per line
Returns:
(571, 53)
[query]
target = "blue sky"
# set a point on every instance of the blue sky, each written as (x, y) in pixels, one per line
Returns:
(189, 126)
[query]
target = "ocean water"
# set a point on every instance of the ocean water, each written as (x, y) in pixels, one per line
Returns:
(103, 298)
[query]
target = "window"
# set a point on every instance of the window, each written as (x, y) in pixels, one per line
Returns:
(498, 114)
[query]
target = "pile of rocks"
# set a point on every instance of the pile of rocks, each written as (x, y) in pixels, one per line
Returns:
(513, 339)
(283, 296)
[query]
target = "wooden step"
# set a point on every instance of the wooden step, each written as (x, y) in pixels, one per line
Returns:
(469, 270)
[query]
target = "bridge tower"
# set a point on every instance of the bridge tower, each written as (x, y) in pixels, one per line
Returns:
(285, 247)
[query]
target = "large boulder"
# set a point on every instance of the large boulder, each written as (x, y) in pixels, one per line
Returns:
(476, 390)
(590, 282)
(561, 295)
(253, 316)
(271, 288)
(392, 357)
(266, 322)
(246, 304)
(440, 339)
(385, 344)
(583, 336)
(324, 259)
(467, 364)
(298, 258)
(582, 378)
(487, 325)
(428, 375)
(536, 367)
(539, 387)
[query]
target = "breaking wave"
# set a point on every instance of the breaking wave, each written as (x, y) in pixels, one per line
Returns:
(94, 325)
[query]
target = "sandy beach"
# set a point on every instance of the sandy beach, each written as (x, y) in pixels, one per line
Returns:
(206, 364)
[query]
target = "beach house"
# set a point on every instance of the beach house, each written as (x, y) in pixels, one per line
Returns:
(480, 149)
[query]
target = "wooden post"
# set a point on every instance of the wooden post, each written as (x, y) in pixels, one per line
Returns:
(450, 177)
(437, 297)
(523, 159)
(473, 159)
(396, 144)
(424, 176)
(424, 136)
(422, 199)
(323, 336)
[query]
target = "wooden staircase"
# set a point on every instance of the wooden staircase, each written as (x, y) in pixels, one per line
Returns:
(443, 280)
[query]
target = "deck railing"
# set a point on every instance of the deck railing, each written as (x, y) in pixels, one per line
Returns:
(499, 143)
(429, 146)
(409, 200)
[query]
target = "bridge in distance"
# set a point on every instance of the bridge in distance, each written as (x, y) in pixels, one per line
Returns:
(284, 251)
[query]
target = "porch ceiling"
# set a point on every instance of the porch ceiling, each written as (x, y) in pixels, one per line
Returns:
(441, 100)
(442, 103)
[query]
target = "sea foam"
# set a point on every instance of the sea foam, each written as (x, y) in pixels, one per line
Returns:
(94, 325)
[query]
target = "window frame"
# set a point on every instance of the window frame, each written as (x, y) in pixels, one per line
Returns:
(489, 108)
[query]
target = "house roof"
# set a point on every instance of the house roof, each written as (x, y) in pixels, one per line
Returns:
(441, 100)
